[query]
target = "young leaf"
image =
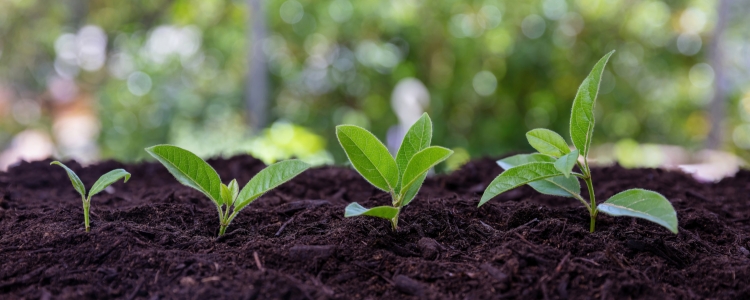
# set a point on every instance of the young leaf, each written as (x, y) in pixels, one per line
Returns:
(518, 176)
(644, 204)
(226, 195)
(108, 179)
(385, 212)
(582, 114)
(547, 142)
(369, 156)
(77, 183)
(267, 179)
(417, 138)
(413, 190)
(422, 162)
(189, 169)
(566, 163)
(555, 186)
(234, 190)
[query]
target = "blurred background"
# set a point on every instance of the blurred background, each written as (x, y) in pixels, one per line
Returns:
(103, 79)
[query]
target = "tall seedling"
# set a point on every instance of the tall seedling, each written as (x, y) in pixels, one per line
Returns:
(102, 183)
(401, 177)
(191, 170)
(549, 171)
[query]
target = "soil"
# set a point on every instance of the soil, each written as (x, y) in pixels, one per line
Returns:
(153, 238)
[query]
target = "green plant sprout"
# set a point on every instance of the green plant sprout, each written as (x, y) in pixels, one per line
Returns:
(401, 177)
(102, 183)
(548, 171)
(192, 171)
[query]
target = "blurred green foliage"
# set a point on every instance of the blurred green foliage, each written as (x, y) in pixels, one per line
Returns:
(175, 70)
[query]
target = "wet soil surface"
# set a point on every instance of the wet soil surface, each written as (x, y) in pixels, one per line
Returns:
(153, 238)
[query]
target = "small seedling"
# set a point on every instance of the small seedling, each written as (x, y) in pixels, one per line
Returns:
(192, 171)
(401, 177)
(548, 171)
(102, 183)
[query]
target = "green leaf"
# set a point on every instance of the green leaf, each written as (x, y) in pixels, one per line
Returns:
(555, 186)
(234, 190)
(77, 183)
(413, 190)
(189, 169)
(369, 156)
(547, 142)
(582, 114)
(385, 212)
(518, 176)
(268, 179)
(566, 163)
(226, 195)
(644, 204)
(422, 162)
(417, 138)
(108, 179)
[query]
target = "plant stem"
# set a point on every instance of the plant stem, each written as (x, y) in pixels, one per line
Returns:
(394, 221)
(593, 212)
(86, 207)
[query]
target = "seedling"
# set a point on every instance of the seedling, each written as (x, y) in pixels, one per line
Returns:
(548, 171)
(192, 171)
(401, 177)
(102, 183)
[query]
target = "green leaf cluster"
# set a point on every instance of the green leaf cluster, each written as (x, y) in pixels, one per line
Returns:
(102, 183)
(549, 170)
(192, 171)
(401, 177)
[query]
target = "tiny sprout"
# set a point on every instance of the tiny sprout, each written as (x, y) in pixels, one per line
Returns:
(548, 171)
(401, 177)
(192, 171)
(102, 183)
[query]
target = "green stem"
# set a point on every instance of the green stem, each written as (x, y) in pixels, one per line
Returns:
(593, 212)
(394, 221)
(86, 208)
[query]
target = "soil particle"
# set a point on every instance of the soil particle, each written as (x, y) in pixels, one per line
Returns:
(153, 238)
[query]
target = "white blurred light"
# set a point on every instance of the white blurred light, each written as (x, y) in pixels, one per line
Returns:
(91, 43)
(484, 83)
(167, 40)
(65, 48)
(26, 111)
(65, 68)
(689, 44)
(340, 10)
(380, 57)
(139, 83)
(693, 20)
(533, 26)
(291, 11)
(28, 145)
(554, 9)
(76, 134)
(701, 75)
(409, 100)
(62, 89)
(121, 65)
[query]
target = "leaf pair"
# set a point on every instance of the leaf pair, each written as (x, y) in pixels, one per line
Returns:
(548, 171)
(102, 183)
(191, 170)
(402, 176)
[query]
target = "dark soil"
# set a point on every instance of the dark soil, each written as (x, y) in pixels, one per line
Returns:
(153, 238)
